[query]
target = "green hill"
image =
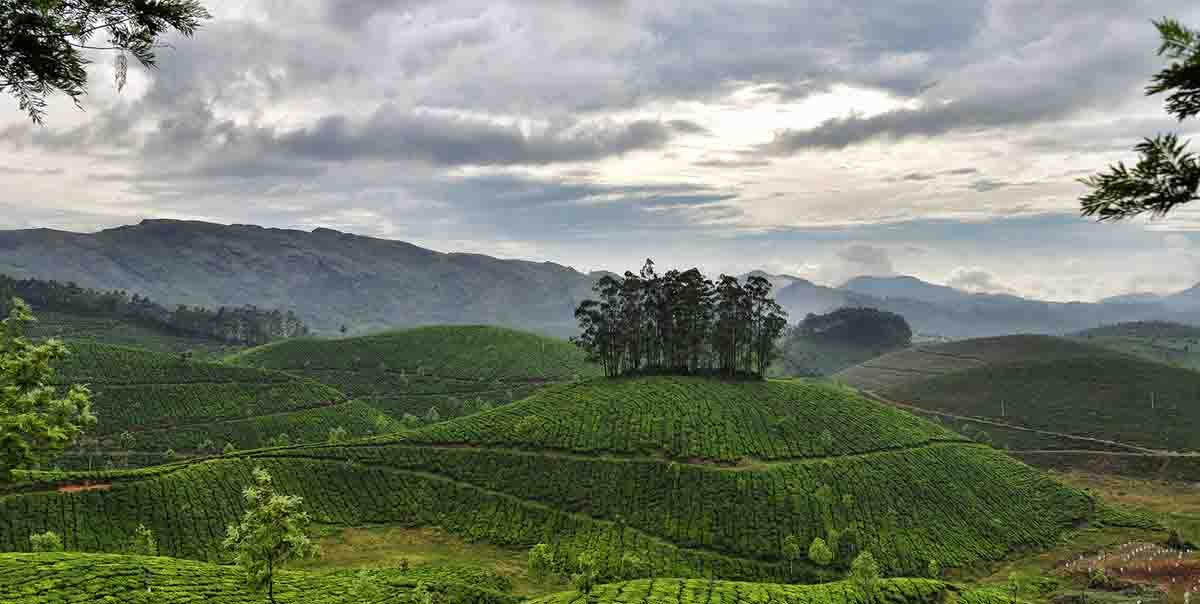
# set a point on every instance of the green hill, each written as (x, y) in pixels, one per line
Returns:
(1128, 400)
(1162, 341)
(54, 578)
(72, 327)
(452, 368)
(923, 362)
(586, 478)
(168, 402)
(684, 591)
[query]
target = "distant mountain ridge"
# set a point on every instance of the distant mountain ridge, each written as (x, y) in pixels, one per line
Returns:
(331, 279)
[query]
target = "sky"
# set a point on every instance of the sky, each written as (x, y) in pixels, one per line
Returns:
(823, 139)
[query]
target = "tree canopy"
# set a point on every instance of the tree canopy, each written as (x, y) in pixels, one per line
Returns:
(36, 418)
(41, 42)
(270, 534)
(1166, 175)
(680, 322)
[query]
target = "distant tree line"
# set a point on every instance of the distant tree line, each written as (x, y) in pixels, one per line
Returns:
(863, 327)
(247, 325)
(680, 322)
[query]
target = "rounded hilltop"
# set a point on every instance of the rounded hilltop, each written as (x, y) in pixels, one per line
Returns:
(453, 368)
(703, 418)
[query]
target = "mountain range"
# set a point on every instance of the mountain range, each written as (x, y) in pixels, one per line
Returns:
(333, 279)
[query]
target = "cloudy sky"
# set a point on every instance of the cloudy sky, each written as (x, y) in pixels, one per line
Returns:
(821, 138)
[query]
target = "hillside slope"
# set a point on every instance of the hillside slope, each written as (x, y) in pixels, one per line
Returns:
(1054, 402)
(73, 327)
(329, 278)
(54, 578)
(653, 474)
(682, 591)
(451, 368)
(1127, 400)
(167, 402)
(926, 361)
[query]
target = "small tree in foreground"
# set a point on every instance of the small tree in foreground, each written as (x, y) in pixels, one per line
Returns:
(791, 552)
(864, 574)
(819, 552)
(48, 541)
(271, 533)
(587, 573)
(143, 542)
(36, 419)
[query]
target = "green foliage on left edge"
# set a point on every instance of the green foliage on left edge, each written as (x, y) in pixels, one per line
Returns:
(36, 420)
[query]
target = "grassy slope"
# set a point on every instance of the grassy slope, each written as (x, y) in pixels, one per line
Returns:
(169, 403)
(70, 327)
(680, 591)
(54, 578)
(412, 370)
(958, 502)
(1101, 397)
(923, 362)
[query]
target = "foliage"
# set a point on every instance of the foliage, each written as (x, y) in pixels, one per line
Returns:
(825, 344)
(41, 40)
(245, 325)
(586, 572)
(48, 541)
(164, 402)
(143, 542)
(36, 419)
(1166, 174)
(819, 552)
(541, 561)
(271, 533)
(55, 578)
(686, 518)
(337, 435)
(1107, 397)
(864, 574)
(691, 417)
(458, 369)
(680, 323)
(693, 591)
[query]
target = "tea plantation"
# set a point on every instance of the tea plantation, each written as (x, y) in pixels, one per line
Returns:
(683, 591)
(1124, 399)
(168, 402)
(57, 578)
(452, 368)
(906, 489)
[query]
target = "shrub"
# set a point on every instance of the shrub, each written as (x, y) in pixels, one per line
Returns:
(48, 541)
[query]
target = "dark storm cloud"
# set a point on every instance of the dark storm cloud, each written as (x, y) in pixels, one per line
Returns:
(394, 134)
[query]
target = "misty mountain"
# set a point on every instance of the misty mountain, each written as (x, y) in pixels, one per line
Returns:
(330, 279)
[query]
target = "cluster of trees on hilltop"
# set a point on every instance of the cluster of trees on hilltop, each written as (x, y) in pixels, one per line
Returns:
(680, 322)
(863, 327)
(248, 325)
(828, 343)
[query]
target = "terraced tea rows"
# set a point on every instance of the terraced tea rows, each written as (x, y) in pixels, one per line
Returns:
(167, 402)
(680, 417)
(1123, 399)
(55, 578)
(924, 362)
(909, 501)
(683, 591)
(452, 368)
